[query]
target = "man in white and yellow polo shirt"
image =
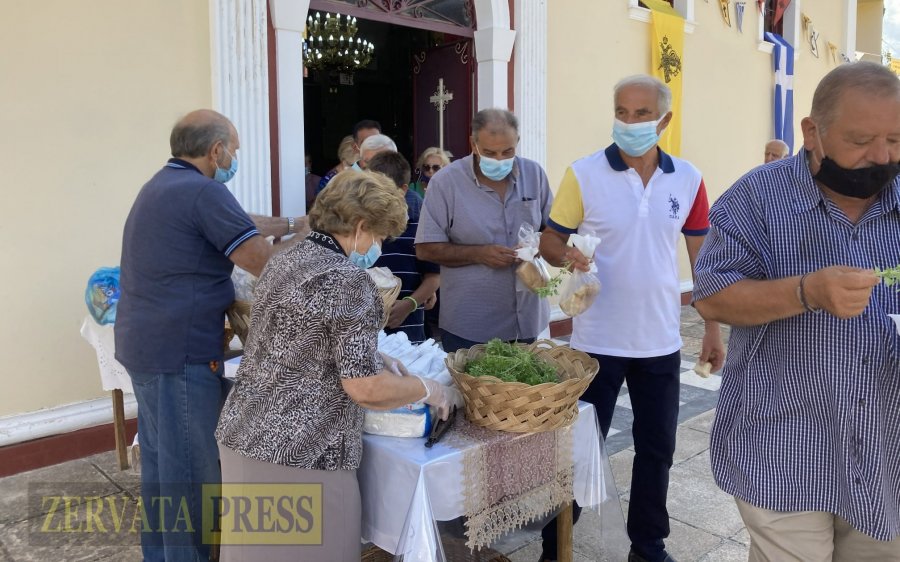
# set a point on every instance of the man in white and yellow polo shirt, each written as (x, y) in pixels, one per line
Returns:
(638, 200)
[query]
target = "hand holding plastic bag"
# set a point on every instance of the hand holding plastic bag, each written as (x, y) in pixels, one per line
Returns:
(580, 289)
(532, 272)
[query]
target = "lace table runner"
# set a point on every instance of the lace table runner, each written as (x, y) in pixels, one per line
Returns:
(510, 479)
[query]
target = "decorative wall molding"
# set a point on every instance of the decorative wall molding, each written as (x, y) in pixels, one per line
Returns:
(240, 88)
(531, 78)
(61, 419)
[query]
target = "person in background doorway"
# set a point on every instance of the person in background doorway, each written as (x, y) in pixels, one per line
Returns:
(372, 146)
(312, 182)
(420, 279)
(347, 154)
(431, 160)
(776, 149)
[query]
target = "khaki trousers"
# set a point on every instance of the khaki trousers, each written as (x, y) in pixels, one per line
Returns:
(810, 536)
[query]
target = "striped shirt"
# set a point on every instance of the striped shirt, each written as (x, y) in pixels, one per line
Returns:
(399, 255)
(809, 412)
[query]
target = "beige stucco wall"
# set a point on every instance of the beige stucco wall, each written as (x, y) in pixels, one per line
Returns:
(90, 90)
(869, 21)
(727, 92)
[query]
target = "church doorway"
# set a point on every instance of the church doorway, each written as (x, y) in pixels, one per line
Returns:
(418, 45)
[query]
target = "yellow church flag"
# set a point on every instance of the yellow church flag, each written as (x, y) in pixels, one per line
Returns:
(666, 59)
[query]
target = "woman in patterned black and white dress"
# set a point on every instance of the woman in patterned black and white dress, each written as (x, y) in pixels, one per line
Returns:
(310, 366)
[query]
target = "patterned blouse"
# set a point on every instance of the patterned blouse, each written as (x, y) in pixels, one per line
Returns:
(315, 321)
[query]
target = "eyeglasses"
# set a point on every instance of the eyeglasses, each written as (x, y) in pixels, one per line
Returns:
(434, 168)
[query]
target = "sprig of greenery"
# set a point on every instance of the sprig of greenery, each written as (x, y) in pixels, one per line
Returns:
(890, 276)
(551, 289)
(511, 363)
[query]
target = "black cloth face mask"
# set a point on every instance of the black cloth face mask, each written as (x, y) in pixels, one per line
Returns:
(861, 183)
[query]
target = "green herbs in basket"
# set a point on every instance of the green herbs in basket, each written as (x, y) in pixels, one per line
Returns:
(511, 363)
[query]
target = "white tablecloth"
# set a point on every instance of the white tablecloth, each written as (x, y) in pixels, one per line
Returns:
(112, 373)
(406, 487)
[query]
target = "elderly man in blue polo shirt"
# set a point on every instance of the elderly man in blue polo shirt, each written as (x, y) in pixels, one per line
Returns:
(637, 199)
(807, 430)
(469, 225)
(182, 238)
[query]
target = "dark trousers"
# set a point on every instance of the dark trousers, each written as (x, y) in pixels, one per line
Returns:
(452, 342)
(653, 386)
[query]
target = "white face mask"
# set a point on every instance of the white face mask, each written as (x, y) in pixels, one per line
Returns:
(635, 139)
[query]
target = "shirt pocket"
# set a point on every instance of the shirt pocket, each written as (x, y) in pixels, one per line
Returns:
(529, 211)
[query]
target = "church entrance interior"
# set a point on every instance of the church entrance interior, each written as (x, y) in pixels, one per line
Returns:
(395, 88)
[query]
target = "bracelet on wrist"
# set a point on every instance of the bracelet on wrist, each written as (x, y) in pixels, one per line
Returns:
(801, 295)
(412, 300)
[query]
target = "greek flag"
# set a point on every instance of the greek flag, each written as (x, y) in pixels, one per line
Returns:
(783, 55)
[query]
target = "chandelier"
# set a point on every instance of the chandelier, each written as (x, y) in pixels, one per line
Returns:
(332, 43)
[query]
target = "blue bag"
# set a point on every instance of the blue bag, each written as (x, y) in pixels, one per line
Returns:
(102, 294)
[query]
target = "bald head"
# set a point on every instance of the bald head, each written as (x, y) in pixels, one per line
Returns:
(198, 132)
(776, 150)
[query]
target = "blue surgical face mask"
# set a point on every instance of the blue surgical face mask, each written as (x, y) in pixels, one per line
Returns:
(356, 167)
(495, 169)
(635, 139)
(222, 175)
(367, 260)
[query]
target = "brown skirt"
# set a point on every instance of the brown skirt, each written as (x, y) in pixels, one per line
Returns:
(275, 513)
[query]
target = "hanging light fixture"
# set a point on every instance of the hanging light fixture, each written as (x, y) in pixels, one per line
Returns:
(332, 43)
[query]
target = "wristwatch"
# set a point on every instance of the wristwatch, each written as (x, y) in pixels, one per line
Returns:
(290, 225)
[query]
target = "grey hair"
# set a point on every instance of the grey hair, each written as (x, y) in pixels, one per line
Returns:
(444, 155)
(494, 120)
(869, 77)
(664, 94)
(378, 142)
(193, 138)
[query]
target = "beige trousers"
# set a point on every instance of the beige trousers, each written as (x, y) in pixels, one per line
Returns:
(339, 514)
(810, 536)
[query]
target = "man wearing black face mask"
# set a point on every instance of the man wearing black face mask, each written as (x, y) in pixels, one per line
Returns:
(807, 430)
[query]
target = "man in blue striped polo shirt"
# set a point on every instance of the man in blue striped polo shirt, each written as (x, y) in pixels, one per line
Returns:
(807, 431)
(420, 279)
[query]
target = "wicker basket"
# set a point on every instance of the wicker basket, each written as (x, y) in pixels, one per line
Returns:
(239, 318)
(518, 407)
(389, 297)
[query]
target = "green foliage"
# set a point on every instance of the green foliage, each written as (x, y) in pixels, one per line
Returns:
(890, 276)
(551, 288)
(511, 363)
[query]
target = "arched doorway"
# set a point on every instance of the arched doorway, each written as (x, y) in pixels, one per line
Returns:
(493, 48)
(419, 44)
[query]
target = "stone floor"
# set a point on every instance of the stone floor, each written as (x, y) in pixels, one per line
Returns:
(705, 522)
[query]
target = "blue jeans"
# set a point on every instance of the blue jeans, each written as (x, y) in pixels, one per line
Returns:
(177, 417)
(654, 385)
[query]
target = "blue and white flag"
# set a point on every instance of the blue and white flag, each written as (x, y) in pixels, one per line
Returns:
(783, 56)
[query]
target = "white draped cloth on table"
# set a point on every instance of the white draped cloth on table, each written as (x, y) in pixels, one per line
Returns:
(406, 487)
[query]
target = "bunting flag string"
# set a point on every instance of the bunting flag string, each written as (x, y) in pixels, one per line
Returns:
(739, 14)
(814, 41)
(723, 6)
